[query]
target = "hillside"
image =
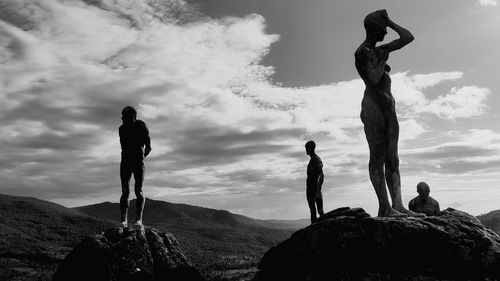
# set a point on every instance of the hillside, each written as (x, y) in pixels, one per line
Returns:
(491, 220)
(37, 234)
(212, 239)
(173, 214)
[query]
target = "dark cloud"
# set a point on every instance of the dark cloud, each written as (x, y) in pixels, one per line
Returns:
(452, 151)
(166, 11)
(210, 145)
(450, 159)
(463, 166)
(51, 140)
(245, 176)
(298, 155)
(15, 13)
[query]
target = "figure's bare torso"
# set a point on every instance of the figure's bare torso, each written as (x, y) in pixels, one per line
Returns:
(380, 92)
(430, 207)
(314, 170)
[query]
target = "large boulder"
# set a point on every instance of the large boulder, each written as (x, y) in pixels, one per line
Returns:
(142, 254)
(349, 244)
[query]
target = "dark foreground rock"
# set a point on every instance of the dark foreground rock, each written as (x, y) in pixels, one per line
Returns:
(349, 244)
(145, 254)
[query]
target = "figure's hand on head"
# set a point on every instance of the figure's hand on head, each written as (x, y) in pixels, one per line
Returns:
(384, 14)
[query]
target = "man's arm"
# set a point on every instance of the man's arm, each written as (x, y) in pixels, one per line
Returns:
(372, 72)
(321, 176)
(120, 135)
(147, 141)
(405, 36)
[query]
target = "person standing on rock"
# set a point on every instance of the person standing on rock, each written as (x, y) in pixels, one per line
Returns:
(423, 203)
(136, 145)
(314, 181)
(378, 111)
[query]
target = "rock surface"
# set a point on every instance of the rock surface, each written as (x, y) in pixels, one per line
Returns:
(142, 254)
(349, 244)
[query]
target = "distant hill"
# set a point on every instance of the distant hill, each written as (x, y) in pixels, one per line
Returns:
(36, 235)
(491, 220)
(288, 224)
(161, 212)
(210, 238)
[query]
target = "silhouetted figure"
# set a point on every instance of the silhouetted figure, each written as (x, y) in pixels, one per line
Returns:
(136, 144)
(423, 203)
(314, 181)
(378, 111)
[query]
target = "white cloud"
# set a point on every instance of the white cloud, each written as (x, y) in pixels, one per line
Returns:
(487, 2)
(463, 102)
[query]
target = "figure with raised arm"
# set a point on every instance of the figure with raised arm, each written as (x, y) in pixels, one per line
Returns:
(378, 112)
(136, 145)
(314, 181)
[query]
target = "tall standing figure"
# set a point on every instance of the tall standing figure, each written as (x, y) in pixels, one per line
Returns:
(314, 181)
(378, 112)
(136, 145)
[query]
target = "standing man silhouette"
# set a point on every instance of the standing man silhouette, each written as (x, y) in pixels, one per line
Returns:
(314, 181)
(378, 110)
(136, 145)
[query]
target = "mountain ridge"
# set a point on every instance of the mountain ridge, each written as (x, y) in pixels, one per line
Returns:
(185, 213)
(38, 234)
(491, 220)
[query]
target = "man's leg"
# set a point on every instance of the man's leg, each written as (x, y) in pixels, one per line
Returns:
(392, 161)
(125, 175)
(139, 179)
(375, 132)
(392, 165)
(311, 194)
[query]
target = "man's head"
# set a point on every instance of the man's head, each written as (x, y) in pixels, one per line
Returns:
(310, 146)
(423, 190)
(129, 114)
(376, 25)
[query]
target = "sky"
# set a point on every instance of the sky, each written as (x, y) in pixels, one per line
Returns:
(232, 89)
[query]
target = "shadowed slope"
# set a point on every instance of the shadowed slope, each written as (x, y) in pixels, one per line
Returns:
(37, 234)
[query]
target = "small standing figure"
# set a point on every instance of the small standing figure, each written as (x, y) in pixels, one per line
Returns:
(314, 181)
(136, 145)
(378, 110)
(423, 203)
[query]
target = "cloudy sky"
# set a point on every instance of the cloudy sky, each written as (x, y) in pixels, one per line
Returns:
(232, 89)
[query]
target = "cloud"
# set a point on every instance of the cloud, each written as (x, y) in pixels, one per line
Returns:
(219, 124)
(487, 2)
(469, 152)
(463, 102)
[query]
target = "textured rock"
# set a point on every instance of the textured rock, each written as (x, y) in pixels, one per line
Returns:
(349, 244)
(132, 254)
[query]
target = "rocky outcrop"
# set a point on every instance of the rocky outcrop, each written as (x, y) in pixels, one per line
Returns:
(349, 244)
(142, 254)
